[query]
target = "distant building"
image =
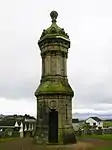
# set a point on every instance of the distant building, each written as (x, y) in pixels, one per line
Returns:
(12, 124)
(94, 122)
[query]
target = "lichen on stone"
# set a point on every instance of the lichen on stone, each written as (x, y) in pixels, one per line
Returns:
(54, 87)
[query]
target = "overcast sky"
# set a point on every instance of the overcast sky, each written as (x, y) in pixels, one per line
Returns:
(89, 25)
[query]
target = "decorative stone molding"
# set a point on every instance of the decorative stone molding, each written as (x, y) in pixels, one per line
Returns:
(52, 104)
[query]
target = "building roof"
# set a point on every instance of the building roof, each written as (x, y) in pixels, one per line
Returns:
(96, 119)
(75, 120)
(9, 121)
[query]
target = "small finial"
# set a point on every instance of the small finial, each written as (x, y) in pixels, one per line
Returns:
(54, 16)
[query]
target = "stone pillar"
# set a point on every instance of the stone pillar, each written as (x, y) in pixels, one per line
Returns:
(54, 94)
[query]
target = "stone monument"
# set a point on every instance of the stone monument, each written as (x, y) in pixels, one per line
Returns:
(54, 94)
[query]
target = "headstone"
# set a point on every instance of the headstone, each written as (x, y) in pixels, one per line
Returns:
(21, 130)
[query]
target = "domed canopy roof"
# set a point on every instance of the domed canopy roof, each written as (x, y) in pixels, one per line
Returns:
(54, 30)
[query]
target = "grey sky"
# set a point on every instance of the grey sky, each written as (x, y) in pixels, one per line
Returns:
(89, 25)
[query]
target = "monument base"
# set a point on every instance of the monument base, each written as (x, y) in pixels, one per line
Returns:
(65, 136)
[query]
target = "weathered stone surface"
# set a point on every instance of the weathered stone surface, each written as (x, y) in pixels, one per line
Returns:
(52, 87)
(54, 94)
(54, 30)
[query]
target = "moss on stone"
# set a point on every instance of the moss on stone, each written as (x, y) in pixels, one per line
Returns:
(54, 87)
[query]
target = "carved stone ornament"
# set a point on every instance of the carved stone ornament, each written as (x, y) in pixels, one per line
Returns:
(52, 104)
(54, 28)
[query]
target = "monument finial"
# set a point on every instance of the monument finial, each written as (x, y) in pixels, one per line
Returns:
(54, 16)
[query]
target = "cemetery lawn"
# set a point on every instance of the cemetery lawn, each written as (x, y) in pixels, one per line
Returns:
(100, 142)
(26, 144)
(107, 123)
(103, 148)
(7, 139)
(103, 137)
(93, 142)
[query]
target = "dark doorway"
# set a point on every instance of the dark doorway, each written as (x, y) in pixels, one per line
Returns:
(53, 126)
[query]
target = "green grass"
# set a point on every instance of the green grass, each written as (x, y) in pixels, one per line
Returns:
(103, 137)
(107, 123)
(102, 148)
(8, 139)
(106, 137)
